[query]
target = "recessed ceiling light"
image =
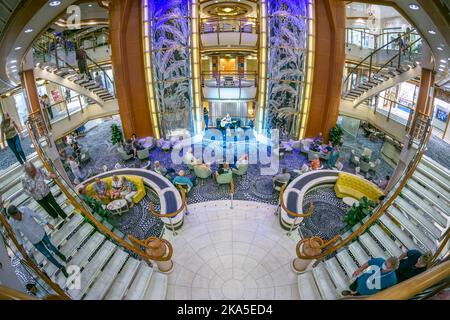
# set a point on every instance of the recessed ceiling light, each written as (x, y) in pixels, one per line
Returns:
(28, 30)
(443, 61)
(14, 61)
(414, 6)
(442, 66)
(13, 67)
(54, 3)
(90, 5)
(440, 48)
(431, 32)
(441, 69)
(17, 48)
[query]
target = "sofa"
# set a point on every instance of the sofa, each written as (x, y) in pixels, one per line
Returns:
(138, 181)
(349, 185)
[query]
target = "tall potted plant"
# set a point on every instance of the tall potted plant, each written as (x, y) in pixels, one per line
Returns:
(116, 135)
(357, 213)
(336, 134)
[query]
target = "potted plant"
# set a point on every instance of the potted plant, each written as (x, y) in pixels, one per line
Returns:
(116, 135)
(357, 213)
(336, 135)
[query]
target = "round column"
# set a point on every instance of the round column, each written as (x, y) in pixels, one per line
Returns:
(309, 248)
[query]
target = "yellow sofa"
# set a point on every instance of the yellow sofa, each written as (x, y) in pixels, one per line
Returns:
(138, 182)
(349, 185)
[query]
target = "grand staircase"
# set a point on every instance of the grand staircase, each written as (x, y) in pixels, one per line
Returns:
(417, 219)
(107, 270)
(383, 80)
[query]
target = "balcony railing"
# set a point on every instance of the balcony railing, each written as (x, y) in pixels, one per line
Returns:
(221, 24)
(233, 79)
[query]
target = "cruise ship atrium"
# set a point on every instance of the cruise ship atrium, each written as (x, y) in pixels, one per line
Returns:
(224, 150)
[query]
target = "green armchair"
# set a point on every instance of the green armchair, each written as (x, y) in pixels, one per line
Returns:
(241, 170)
(143, 154)
(202, 173)
(224, 178)
(123, 154)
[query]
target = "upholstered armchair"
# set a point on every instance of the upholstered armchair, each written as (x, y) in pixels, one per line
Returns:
(143, 154)
(374, 165)
(365, 166)
(354, 158)
(367, 153)
(123, 154)
(224, 178)
(202, 172)
(241, 170)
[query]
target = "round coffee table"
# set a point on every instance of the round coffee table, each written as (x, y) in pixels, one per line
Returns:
(350, 201)
(117, 207)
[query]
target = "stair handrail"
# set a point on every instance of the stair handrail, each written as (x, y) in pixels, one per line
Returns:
(55, 287)
(12, 294)
(381, 208)
(373, 53)
(102, 70)
(441, 247)
(399, 53)
(411, 287)
(145, 243)
(81, 207)
(37, 46)
(308, 213)
(173, 214)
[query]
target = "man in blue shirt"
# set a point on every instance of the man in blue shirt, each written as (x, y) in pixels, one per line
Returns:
(381, 275)
(181, 179)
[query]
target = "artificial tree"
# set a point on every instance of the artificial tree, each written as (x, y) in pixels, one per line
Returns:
(116, 135)
(336, 134)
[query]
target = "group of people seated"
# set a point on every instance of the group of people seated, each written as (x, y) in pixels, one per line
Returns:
(379, 273)
(121, 188)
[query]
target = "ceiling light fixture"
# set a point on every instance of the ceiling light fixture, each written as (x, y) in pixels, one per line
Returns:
(17, 48)
(28, 30)
(14, 61)
(441, 69)
(431, 32)
(414, 6)
(443, 61)
(440, 48)
(54, 3)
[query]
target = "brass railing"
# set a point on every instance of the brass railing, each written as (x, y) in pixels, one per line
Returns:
(331, 247)
(77, 205)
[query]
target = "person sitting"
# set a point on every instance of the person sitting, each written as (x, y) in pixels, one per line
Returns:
(381, 276)
(166, 172)
(116, 187)
(241, 161)
(94, 204)
(130, 148)
(182, 179)
(383, 183)
(223, 169)
(189, 158)
(412, 262)
(283, 177)
(328, 148)
(129, 190)
(315, 163)
(319, 139)
(101, 190)
(135, 142)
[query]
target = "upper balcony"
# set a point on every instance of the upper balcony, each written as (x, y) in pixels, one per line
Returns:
(229, 85)
(226, 32)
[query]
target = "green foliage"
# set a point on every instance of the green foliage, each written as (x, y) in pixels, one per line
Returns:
(336, 134)
(116, 135)
(365, 159)
(356, 213)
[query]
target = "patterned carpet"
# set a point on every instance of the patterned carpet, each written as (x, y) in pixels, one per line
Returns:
(439, 150)
(7, 156)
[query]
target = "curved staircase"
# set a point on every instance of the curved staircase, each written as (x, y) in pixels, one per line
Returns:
(107, 270)
(418, 219)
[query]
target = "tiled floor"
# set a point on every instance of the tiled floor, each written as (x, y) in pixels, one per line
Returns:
(242, 253)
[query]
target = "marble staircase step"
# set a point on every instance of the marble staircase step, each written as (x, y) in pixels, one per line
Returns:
(385, 240)
(372, 246)
(431, 184)
(429, 194)
(157, 288)
(358, 253)
(425, 206)
(307, 287)
(339, 278)
(141, 281)
(324, 283)
(401, 235)
(347, 263)
(122, 282)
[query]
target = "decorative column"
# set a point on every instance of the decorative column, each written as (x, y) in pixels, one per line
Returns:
(309, 247)
(125, 27)
(156, 248)
(34, 107)
(329, 59)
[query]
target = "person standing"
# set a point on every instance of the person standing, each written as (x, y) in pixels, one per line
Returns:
(81, 57)
(10, 130)
(23, 221)
(206, 117)
(35, 186)
(75, 168)
(412, 262)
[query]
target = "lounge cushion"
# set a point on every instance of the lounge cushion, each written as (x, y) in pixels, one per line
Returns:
(349, 185)
(138, 181)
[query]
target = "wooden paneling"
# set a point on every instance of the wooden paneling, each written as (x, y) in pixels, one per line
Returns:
(328, 66)
(127, 57)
